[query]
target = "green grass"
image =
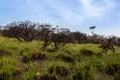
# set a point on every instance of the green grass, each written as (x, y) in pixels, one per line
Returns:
(8, 68)
(68, 62)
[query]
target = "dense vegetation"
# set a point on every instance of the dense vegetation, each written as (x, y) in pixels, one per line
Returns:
(29, 31)
(33, 51)
(26, 61)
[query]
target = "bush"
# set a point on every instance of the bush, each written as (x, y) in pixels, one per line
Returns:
(38, 56)
(33, 57)
(111, 69)
(26, 59)
(77, 76)
(83, 74)
(58, 69)
(110, 64)
(51, 50)
(77, 57)
(86, 52)
(7, 70)
(83, 71)
(48, 77)
(22, 31)
(116, 76)
(30, 72)
(65, 57)
(4, 52)
(99, 55)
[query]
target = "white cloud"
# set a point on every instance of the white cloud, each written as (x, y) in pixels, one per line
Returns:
(60, 12)
(65, 12)
(78, 14)
(93, 8)
(109, 31)
(67, 15)
(33, 10)
(30, 6)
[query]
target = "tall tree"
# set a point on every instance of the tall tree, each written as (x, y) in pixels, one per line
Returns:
(92, 29)
(23, 31)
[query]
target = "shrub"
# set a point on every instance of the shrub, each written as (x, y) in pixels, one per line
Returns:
(83, 71)
(77, 76)
(38, 56)
(22, 31)
(116, 76)
(83, 74)
(26, 59)
(24, 50)
(51, 50)
(86, 52)
(48, 77)
(110, 64)
(65, 57)
(30, 72)
(58, 69)
(99, 55)
(111, 69)
(7, 70)
(33, 57)
(4, 52)
(77, 57)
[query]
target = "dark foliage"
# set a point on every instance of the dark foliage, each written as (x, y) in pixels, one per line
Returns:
(86, 52)
(66, 58)
(23, 31)
(58, 70)
(47, 77)
(116, 76)
(83, 74)
(33, 57)
(25, 59)
(111, 69)
(45, 34)
(38, 56)
(107, 45)
(78, 37)
(77, 76)
(61, 38)
(29, 31)
(4, 52)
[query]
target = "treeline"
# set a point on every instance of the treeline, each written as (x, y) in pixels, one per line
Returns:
(29, 31)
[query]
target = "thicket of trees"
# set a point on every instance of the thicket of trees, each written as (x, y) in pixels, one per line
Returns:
(29, 31)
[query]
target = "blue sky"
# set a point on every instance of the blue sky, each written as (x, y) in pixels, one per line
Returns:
(77, 15)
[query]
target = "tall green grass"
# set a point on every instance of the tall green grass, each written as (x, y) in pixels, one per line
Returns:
(8, 68)
(71, 62)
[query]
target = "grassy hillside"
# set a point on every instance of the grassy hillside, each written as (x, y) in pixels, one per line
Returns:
(26, 61)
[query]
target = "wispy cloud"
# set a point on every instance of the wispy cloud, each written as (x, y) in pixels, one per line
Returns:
(73, 14)
(95, 8)
(59, 12)
(66, 13)
(78, 14)
(109, 30)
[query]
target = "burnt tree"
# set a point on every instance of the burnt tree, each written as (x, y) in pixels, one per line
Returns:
(107, 45)
(22, 31)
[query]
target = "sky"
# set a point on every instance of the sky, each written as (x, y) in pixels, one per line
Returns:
(77, 15)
